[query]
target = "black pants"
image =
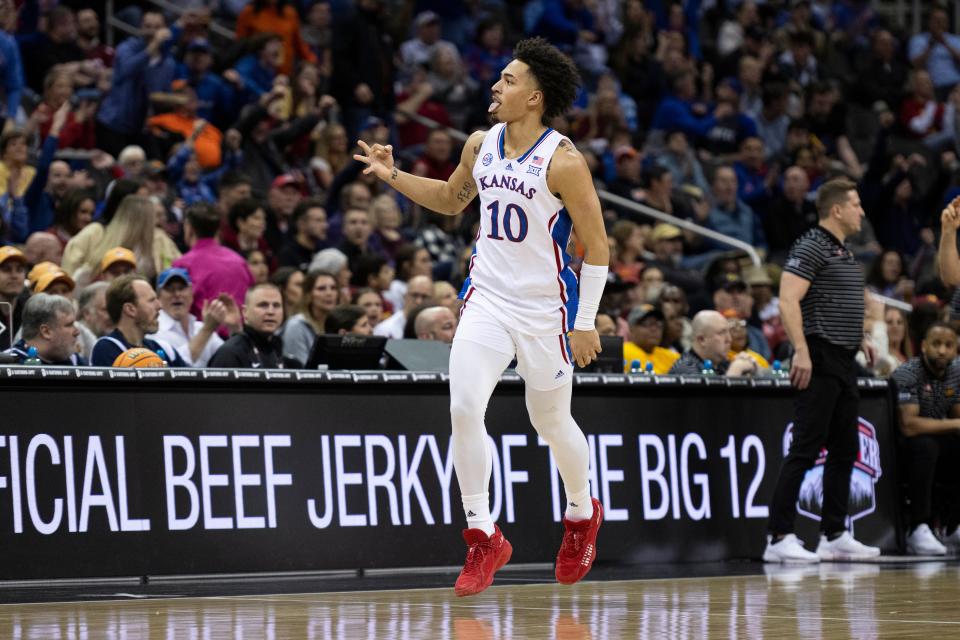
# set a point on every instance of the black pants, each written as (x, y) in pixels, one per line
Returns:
(926, 458)
(825, 414)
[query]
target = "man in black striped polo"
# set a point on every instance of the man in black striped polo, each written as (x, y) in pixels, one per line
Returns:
(822, 308)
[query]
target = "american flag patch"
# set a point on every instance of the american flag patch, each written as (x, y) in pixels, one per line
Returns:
(537, 160)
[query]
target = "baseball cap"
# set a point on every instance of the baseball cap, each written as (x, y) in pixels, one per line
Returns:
(372, 122)
(41, 269)
(643, 311)
(666, 231)
(115, 255)
(199, 44)
(728, 281)
(284, 180)
(624, 152)
(11, 253)
(48, 278)
(425, 17)
(757, 276)
(173, 273)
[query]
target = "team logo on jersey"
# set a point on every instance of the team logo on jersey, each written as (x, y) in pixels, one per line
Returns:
(506, 182)
(863, 480)
(534, 170)
(487, 159)
(509, 166)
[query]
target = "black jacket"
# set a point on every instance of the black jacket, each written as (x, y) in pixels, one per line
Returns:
(250, 349)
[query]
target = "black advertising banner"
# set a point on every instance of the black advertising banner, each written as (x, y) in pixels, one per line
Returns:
(157, 473)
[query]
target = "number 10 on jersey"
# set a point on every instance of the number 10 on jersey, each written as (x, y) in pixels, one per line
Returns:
(513, 216)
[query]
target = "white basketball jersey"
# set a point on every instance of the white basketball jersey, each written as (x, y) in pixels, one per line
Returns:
(520, 263)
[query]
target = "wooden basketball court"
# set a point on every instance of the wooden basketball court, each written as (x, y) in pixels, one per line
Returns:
(829, 601)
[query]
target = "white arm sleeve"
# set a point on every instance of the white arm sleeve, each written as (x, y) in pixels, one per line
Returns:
(592, 280)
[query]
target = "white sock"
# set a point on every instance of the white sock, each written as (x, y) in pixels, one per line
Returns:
(579, 505)
(477, 510)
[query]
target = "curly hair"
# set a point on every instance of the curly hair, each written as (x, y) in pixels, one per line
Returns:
(555, 73)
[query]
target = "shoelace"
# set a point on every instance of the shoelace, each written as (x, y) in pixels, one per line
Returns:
(475, 554)
(573, 542)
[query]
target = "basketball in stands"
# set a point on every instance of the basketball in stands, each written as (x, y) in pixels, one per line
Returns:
(140, 358)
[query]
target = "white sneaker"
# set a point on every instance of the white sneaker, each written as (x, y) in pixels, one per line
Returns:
(789, 549)
(845, 548)
(952, 541)
(922, 542)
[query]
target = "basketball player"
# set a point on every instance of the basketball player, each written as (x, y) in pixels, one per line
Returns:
(521, 298)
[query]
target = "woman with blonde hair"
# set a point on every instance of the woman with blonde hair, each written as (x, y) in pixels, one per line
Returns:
(132, 227)
(85, 242)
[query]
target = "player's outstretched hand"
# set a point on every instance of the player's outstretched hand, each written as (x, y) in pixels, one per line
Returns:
(950, 218)
(378, 158)
(584, 345)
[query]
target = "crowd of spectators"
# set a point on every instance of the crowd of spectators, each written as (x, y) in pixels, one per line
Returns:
(212, 169)
(196, 195)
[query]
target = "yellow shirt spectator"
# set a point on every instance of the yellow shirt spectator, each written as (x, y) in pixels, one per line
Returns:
(646, 333)
(661, 358)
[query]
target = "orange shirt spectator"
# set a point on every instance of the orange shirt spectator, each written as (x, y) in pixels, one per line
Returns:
(207, 144)
(274, 16)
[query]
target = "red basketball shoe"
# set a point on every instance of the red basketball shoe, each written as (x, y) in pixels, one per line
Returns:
(485, 556)
(579, 547)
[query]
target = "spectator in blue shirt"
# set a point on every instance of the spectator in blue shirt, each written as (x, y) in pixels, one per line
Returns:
(134, 309)
(143, 65)
(731, 127)
(567, 22)
(258, 70)
(193, 184)
(754, 177)
(937, 51)
(218, 101)
(34, 210)
(681, 111)
(730, 215)
(11, 68)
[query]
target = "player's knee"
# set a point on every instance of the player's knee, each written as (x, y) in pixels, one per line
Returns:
(548, 423)
(465, 411)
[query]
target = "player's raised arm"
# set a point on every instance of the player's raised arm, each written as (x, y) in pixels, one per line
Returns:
(449, 197)
(569, 178)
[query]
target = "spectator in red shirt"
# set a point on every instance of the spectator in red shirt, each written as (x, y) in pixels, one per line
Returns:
(79, 131)
(435, 162)
(417, 98)
(921, 114)
(88, 38)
